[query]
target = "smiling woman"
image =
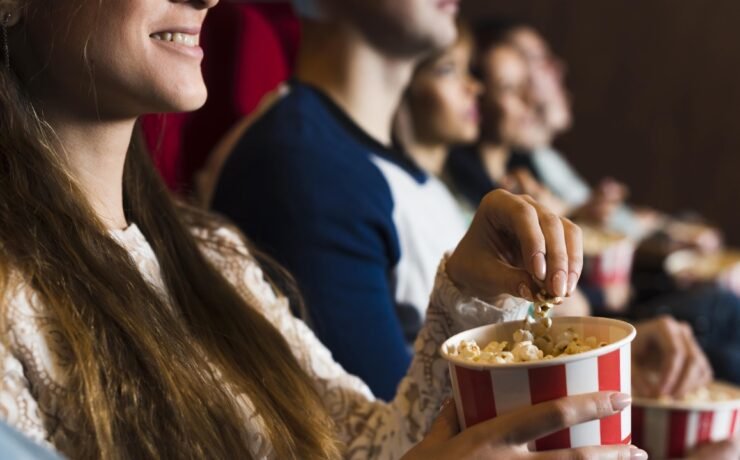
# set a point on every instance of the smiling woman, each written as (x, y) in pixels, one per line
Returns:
(134, 327)
(112, 49)
(187, 39)
(114, 371)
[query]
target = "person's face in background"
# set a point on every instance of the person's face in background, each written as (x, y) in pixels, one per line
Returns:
(507, 104)
(111, 59)
(402, 29)
(547, 73)
(443, 98)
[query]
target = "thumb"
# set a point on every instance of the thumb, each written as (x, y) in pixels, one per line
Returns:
(445, 426)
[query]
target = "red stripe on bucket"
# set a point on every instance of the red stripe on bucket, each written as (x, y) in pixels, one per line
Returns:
(705, 427)
(609, 380)
(733, 425)
(597, 274)
(678, 424)
(476, 392)
(546, 384)
(638, 425)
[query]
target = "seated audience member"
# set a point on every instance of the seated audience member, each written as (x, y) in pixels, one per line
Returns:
(135, 327)
(439, 110)
(510, 127)
(605, 203)
(512, 118)
(317, 181)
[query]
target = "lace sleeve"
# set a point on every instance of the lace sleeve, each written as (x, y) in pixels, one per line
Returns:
(18, 408)
(371, 428)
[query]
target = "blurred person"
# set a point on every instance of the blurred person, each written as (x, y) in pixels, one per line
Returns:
(712, 312)
(439, 110)
(508, 125)
(605, 203)
(511, 127)
(318, 181)
(496, 159)
(552, 107)
(137, 327)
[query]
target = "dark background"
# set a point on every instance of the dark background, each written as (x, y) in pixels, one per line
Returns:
(656, 95)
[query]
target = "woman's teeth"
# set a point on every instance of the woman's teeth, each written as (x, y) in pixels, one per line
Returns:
(183, 39)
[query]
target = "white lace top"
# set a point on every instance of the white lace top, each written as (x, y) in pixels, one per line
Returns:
(33, 365)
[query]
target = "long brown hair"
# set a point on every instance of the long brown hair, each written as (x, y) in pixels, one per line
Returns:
(149, 377)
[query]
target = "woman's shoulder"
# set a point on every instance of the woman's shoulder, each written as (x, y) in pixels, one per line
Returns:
(223, 245)
(223, 236)
(15, 290)
(229, 251)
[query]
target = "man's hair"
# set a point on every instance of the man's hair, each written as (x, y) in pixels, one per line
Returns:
(489, 34)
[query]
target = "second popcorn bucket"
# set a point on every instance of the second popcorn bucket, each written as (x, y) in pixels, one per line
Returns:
(486, 390)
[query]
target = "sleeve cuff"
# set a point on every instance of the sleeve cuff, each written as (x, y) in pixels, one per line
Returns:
(465, 312)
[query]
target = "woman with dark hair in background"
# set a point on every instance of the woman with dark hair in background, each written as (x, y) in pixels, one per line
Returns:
(524, 105)
(439, 110)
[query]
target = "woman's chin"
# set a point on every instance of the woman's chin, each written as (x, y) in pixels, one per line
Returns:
(468, 135)
(189, 105)
(184, 101)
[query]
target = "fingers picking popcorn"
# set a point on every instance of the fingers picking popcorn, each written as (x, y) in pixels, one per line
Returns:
(533, 342)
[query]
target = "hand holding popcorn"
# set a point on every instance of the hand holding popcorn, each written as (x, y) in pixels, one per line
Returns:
(506, 436)
(516, 246)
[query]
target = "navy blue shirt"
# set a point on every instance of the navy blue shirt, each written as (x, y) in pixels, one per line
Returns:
(301, 185)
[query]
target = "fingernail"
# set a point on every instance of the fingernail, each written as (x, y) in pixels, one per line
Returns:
(525, 292)
(637, 454)
(620, 401)
(572, 282)
(539, 266)
(558, 283)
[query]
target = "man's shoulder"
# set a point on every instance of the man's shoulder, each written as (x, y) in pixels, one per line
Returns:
(296, 130)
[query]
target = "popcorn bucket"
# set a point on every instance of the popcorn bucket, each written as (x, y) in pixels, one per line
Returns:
(607, 257)
(484, 391)
(670, 429)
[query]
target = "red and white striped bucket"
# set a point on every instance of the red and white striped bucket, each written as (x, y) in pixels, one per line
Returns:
(483, 391)
(672, 430)
(610, 265)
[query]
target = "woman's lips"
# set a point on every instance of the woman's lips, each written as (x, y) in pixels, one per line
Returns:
(179, 38)
(473, 114)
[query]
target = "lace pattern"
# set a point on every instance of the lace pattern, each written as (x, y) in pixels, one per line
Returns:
(32, 391)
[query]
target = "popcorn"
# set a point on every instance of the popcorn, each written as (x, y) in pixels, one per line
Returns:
(526, 351)
(544, 304)
(533, 342)
(469, 350)
(523, 335)
(703, 395)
